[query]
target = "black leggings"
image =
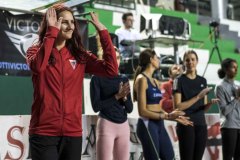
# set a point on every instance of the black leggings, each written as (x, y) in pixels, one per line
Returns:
(55, 148)
(230, 143)
(192, 141)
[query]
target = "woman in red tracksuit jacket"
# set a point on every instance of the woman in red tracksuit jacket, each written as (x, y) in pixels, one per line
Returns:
(166, 88)
(58, 63)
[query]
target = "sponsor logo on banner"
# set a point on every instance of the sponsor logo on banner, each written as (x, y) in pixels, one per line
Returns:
(22, 43)
(15, 145)
(17, 34)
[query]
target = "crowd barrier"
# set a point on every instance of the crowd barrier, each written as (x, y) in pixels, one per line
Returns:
(14, 138)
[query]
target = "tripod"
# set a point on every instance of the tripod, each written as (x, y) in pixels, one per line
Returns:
(215, 47)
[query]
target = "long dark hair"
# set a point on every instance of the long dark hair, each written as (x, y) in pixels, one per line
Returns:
(225, 65)
(144, 60)
(74, 44)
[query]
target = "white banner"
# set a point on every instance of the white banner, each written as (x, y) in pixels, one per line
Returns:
(14, 138)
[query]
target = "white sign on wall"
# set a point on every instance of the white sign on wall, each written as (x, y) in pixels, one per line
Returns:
(14, 138)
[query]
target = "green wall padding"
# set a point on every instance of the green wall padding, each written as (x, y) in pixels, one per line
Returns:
(16, 95)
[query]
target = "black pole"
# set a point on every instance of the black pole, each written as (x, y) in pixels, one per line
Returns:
(215, 47)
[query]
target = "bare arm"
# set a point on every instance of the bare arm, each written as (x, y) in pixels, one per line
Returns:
(141, 86)
(186, 104)
(183, 105)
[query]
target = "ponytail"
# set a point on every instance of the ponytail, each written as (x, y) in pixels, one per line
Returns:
(225, 65)
(138, 71)
(221, 73)
(144, 61)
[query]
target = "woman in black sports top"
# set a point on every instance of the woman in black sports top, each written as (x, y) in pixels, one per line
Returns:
(190, 95)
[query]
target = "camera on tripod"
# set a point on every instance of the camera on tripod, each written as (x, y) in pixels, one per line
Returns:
(213, 24)
(214, 27)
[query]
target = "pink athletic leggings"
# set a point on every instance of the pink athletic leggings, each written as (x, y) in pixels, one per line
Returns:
(112, 140)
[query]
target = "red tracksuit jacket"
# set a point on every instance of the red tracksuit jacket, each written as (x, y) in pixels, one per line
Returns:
(57, 103)
(167, 100)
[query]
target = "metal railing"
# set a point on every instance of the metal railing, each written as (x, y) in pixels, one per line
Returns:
(127, 4)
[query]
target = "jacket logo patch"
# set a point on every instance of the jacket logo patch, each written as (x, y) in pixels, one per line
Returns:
(73, 63)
